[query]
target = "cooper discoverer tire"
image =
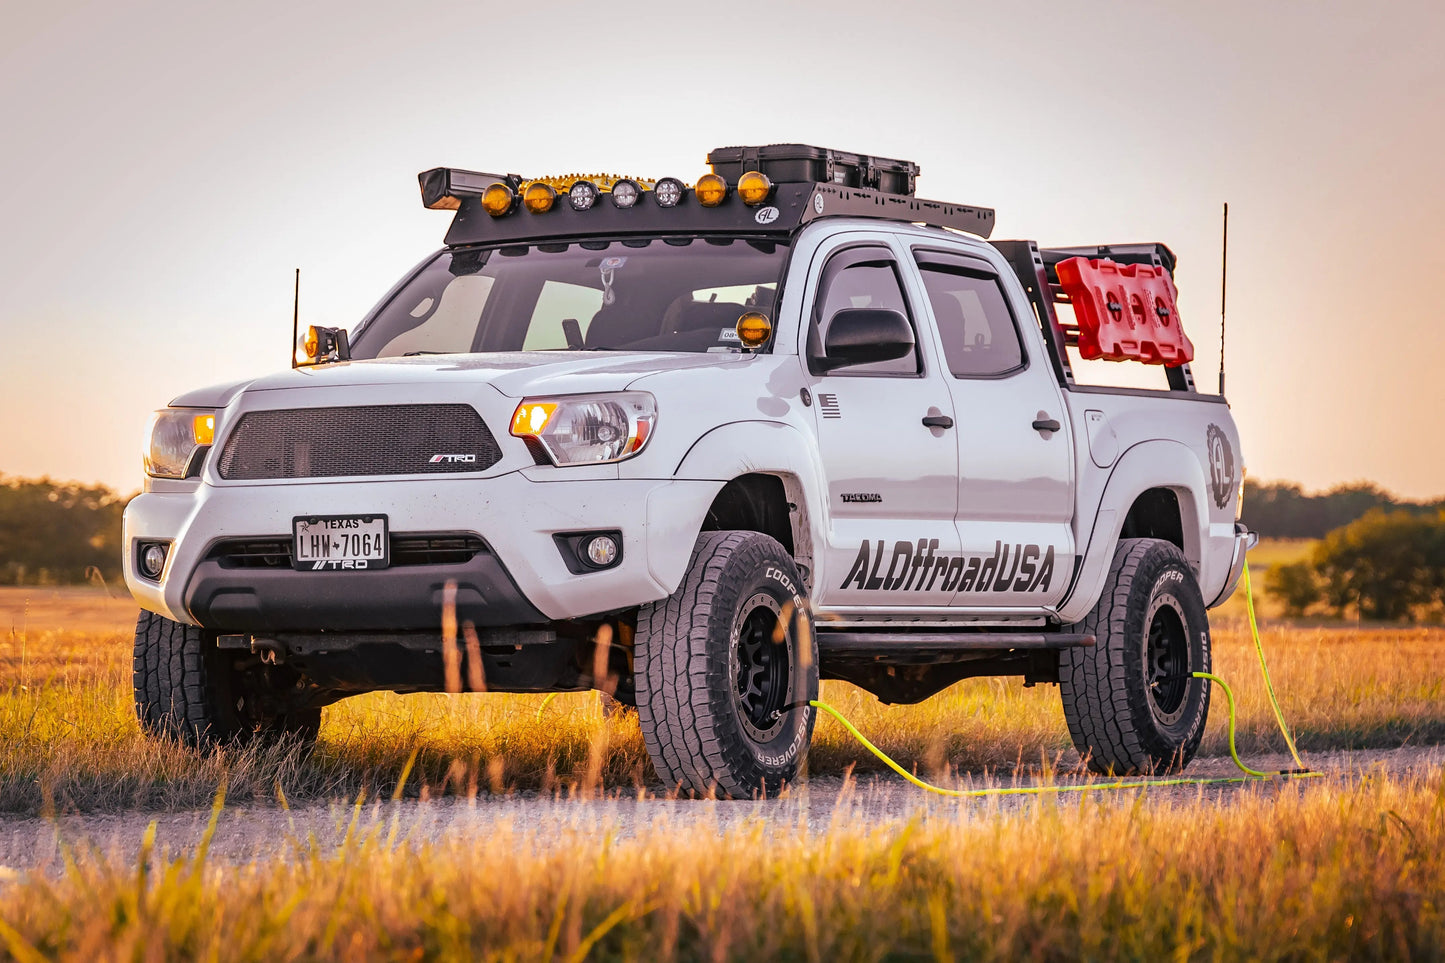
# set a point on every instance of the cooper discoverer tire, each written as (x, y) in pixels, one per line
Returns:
(725, 668)
(1130, 700)
(188, 689)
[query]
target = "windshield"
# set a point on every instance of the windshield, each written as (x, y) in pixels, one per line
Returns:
(662, 294)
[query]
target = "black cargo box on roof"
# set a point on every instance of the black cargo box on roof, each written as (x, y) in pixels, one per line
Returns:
(794, 163)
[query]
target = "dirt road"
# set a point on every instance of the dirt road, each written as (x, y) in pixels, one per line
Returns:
(258, 833)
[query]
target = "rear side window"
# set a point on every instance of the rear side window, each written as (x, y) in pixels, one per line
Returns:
(980, 338)
(862, 278)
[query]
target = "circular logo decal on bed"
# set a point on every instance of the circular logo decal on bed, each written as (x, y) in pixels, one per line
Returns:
(1221, 465)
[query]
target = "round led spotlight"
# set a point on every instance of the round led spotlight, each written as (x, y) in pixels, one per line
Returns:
(153, 560)
(754, 329)
(602, 550)
(497, 199)
(711, 190)
(625, 193)
(538, 197)
(754, 188)
(668, 192)
(582, 195)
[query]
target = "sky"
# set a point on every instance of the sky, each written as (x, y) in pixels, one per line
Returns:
(165, 167)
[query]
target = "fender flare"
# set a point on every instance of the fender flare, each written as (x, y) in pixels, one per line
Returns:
(769, 448)
(1149, 464)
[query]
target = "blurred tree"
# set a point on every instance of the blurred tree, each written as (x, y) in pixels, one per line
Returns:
(52, 532)
(1385, 565)
(1295, 584)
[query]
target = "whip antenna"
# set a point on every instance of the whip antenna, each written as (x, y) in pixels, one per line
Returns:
(1223, 290)
(296, 324)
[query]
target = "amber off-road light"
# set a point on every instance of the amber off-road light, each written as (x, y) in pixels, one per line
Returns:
(754, 188)
(711, 190)
(538, 198)
(497, 200)
(754, 329)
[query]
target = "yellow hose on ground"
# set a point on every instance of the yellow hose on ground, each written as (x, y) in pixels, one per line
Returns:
(1250, 775)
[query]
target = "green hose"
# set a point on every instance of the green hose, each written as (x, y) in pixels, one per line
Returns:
(1250, 775)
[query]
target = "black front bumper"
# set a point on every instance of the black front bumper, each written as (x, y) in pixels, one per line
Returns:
(278, 599)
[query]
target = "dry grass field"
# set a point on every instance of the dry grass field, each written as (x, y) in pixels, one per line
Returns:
(1344, 868)
(69, 740)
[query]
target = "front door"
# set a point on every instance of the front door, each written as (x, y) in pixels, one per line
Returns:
(892, 479)
(1015, 472)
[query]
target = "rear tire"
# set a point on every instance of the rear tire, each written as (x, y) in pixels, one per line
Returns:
(188, 689)
(1130, 700)
(722, 702)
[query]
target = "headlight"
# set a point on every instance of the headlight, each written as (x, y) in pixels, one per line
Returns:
(587, 429)
(179, 438)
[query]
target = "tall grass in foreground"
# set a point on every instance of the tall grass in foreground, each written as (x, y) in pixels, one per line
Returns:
(1300, 872)
(69, 740)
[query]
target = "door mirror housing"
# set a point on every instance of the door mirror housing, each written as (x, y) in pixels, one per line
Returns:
(865, 335)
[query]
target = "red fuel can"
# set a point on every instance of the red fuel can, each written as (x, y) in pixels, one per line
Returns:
(1125, 312)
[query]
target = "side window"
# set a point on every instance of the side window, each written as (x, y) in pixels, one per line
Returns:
(974, 321)
(862, 278)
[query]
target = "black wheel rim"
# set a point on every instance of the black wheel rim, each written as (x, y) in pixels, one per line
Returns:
(762, 669)
(1166, 655)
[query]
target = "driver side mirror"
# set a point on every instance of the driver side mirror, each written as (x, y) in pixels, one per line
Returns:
(865, 335)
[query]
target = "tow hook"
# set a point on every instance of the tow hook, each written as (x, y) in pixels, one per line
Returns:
(270, 651)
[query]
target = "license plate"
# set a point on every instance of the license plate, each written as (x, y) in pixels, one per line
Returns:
(330, 543)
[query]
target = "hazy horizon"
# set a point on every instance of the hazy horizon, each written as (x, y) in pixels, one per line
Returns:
(169, 165)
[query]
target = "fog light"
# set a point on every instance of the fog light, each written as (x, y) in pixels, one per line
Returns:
(153, 560)
(602, 551)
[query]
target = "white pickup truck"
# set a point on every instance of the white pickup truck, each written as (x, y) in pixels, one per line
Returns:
(699, 446)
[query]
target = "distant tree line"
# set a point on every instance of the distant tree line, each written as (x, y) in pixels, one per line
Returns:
(1283, 510)
(55, 533)
(1382, 566)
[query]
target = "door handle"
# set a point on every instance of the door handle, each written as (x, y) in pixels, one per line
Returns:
(1046, 424)
(938, 421)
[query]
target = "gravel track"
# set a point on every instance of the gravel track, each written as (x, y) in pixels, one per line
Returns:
(259, 833)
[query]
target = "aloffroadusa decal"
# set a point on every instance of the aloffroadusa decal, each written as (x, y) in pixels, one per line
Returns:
(1011, 568)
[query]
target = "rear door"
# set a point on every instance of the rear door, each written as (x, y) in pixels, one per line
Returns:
(892, 485)
(1015, 474)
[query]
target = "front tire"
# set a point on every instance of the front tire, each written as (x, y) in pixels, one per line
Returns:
(1131, 701)
(725, 668)
(188, 689)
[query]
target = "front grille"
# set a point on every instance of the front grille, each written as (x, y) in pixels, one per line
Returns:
(362, 440)
(443, 548)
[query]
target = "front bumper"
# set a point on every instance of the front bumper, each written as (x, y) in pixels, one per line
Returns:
(522, 577)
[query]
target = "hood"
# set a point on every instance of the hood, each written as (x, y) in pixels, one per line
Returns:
(515, 373)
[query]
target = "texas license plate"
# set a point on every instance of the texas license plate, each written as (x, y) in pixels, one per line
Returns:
(330, 543)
